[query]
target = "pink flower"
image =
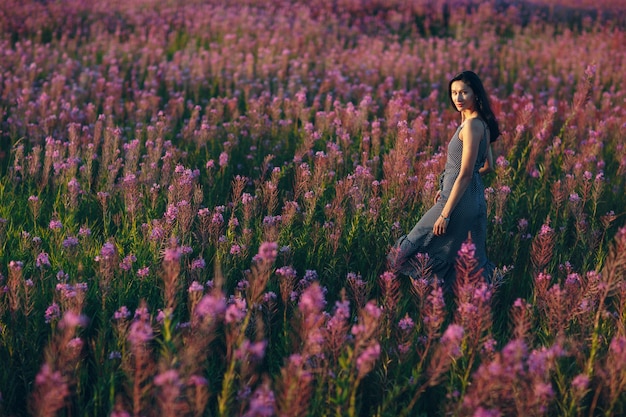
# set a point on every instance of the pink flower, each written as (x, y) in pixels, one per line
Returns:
(223, 160)
(42, 260)
(172, 254)
(210, 306)
(236, 311)
(55, 224)
(262, 403)
(468, 249)
(366, 360)
(53, 312)
(453, 335)
(268, 251)
(545, 230)
(169, 377)
(482, 412)
(196, 287)
(312, 300)
(71, 320)
(580, 383)
(235, 249)
(143, 272)
(198, 380)
(140, 331)
(16, 265)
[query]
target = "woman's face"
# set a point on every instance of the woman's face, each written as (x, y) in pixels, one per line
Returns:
(462, 96)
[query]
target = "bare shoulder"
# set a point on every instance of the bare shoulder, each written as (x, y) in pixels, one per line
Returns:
(472, 128)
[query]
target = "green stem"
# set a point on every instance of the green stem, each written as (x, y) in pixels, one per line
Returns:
(229, 377)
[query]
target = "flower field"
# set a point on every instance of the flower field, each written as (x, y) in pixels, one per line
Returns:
(197, 199)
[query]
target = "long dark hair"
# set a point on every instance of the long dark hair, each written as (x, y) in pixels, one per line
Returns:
(482, 100)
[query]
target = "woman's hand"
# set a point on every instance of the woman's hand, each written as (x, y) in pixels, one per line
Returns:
(441, 225)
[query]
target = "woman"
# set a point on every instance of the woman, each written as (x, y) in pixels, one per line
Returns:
(460, 209)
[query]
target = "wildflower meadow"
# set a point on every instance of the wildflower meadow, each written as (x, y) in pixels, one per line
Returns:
(197, 200)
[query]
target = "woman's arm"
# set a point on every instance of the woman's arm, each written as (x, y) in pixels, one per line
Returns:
(488, 165)
(471, 135)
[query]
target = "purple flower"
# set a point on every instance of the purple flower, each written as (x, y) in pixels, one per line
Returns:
(522, 224)
(269, 296)
(171, 213)
(198, 264)
(143, 272)
(127, 262)
(42, 260)
(406, 323)
(218, 218)
(53, 312)
(108, 251)
(116, 354)
(157, 233)
(122, 313)
(70, 242)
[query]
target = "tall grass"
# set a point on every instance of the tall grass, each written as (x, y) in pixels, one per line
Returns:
(197, 200)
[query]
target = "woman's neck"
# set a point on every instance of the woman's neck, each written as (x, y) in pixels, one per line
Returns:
(469, 114)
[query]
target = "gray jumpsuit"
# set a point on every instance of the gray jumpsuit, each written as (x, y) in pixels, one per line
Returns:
(468, 217)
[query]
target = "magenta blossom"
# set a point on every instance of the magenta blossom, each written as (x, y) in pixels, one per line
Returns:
(268, 251)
